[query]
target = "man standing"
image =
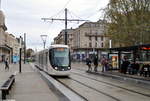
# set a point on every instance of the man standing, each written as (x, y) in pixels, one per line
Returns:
(125, 65)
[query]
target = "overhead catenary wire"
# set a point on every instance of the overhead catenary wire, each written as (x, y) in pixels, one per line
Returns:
(65, 19)
(73, 14)
(58, 14)
(62, 10)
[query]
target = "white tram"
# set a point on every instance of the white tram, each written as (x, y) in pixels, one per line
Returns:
(55, 60)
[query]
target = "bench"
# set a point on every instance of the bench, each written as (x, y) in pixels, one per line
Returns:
(7, 85)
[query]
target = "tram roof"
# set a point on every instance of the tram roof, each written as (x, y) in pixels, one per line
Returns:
(130, 48)
(58, 45)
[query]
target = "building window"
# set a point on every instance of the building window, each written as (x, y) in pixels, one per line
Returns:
(90, 44)
(102, 38)
(97, 25)
(85, 33)
(96, 38)
(96, 32)
(90, 38)
(96, 44)
(102, 44)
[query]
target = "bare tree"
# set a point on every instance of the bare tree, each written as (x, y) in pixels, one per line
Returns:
(129, 22)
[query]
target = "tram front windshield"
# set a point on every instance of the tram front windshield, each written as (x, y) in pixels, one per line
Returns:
(61, 57)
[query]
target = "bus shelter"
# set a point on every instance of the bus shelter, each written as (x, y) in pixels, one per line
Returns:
(140, 53)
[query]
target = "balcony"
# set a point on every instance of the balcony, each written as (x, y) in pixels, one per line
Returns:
(94, 35)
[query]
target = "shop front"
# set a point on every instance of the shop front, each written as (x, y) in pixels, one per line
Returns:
(138, 53)
(5, 52)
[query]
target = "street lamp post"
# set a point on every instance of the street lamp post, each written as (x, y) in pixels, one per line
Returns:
(43, 37)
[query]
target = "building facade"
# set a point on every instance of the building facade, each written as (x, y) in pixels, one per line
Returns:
(4, 49)
(14, 43)
(89, 40)
(9, 45)
(60, 39)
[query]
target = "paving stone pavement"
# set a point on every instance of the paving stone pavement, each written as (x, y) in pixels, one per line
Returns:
(29, 86)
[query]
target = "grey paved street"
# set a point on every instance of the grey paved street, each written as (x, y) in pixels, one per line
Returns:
(28, 85)
(95, 87)
(82, 66)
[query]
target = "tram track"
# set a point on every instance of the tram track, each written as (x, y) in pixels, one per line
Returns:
(94, 90)
(76, 92)
(130, 90)
(72, 89)
(98, 91)
(57, 91)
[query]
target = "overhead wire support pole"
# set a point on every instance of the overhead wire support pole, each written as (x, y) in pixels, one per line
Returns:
(66, 20)
(66, 26)
(0, 4)
(24, 48)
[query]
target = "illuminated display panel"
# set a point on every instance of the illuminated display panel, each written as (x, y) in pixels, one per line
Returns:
(145, 48)
(60, 49)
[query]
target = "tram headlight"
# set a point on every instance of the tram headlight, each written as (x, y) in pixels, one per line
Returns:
(56, 68)
(69, 67)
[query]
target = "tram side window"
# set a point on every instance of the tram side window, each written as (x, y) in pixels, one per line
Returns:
(39, 59)
(46, 57)
(51, 57)
(42, 59)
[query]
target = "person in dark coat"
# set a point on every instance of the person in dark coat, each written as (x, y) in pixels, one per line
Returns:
(125, 65)
(6, 64)
(88, 63)
(95, 63)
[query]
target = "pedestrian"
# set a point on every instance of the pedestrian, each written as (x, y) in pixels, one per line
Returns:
(6, 64)
(108, 64)
(125, 65)
(95, 63)
(88, 63)
(103, 63)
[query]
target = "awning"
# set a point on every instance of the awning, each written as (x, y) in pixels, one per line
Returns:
(6, 47)
(130, 48)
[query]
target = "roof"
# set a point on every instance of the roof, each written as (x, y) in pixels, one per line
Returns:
(2, 20)
(130, 48)
(58, 45)
(53, 46)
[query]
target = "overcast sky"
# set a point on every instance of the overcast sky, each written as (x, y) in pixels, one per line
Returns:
(24, 16)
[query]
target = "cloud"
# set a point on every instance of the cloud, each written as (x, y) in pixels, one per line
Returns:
(24, 16)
